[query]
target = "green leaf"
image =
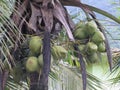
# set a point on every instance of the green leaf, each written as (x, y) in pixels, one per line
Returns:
(104, 13)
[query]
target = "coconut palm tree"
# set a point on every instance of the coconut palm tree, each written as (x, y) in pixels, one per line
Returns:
(44, 18)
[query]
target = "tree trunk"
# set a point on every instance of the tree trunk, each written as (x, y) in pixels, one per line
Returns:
(43, 83)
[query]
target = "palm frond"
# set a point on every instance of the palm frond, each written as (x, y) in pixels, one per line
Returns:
(92, 81)
(92, 8)
(115, 74)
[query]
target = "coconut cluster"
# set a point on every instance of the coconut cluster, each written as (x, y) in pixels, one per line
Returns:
(35, 59)
(95, 40)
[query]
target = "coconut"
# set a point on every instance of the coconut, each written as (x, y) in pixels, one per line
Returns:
(32, 64)
(82, 47)
(59, 52)
(91, 47)
(92, 58)
(90, 28)
(101, 47)
(98, 37)
(40, 60)
(80, 34)
(80, 25)
(35, 44)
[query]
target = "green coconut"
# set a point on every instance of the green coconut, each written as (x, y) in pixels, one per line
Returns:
(80, 34)
(40, 60)
(32, 64)
(101, 47)
(98, 37)
(82, 47)
(80, 25)
(90, 28)
(91, 47)
(92, 58)
(59, 52)
(35, 45)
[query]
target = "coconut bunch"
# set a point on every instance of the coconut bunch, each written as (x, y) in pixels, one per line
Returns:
(34, 60)
(94, 40)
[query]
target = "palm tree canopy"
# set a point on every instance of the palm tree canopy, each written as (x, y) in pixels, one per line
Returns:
(43, 18)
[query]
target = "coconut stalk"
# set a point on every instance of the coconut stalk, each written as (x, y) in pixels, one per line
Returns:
(108, 50)
(82, 66)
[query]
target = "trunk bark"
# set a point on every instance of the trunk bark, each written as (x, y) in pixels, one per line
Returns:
(43, 83)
